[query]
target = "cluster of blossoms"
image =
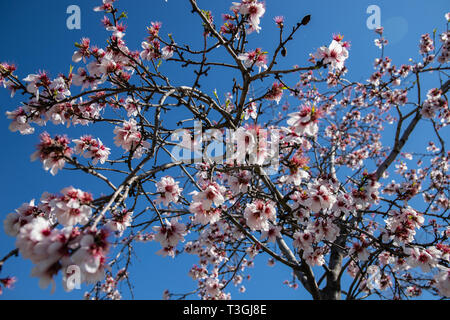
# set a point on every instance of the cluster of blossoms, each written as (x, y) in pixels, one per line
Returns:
(444, 57)
(365, 196)
(275, 93)
(251, 111)
(425, 259)
(319, 196)
(252, 145)
(297, 171)
(426, 44)
(19, 123)
(168, 235)
(52, 249)
(61, 113)
(103, 64)
(110, 286)
(381, 42)
(92, 149)
(120, 221)
(305, 121)
(7, 283)
(206, 204)
(401, 225)
(210, 249)
(53, 152)
(307, 240)
(73, 207)
(75, 113)
(252, 10)
(132, 107)
(152, 46)
(433, 103)
(56, 89)
(335, 54)
(107, 6)
(239, 182)
(255, 58)
(229, 26)
(258, 214)
(129, 137)
(168, 191)
(69, 208)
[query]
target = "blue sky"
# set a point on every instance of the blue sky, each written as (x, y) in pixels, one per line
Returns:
(35, 37)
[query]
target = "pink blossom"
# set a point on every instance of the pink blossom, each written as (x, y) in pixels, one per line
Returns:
(72, 207)
(203, 216)
(239, 182)
(83, 51)
(92, 148)
(20, 122)
(305, 121)
(321, 198)
(297, 173)
(360, 250)
(167, 52)
(259, 213)
(303, 240)
(275, 93)
(334, 55)
(254, 58)
(253, 10)
(443, 280)
(129, 137)
(106, 6)
(279, 20)
(168, 190)
(380, 43)
(23, 215)
(53, 152)
(211, 194)
(251, 111)
(120, 221)
(314, 257)
(170, 233)
(150, 50)
(426, 259)
(91, 255)
(272, 234)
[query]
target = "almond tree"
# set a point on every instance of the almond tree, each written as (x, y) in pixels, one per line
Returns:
(313, 184)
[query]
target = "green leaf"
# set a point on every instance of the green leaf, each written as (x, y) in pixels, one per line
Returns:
(123, 15)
